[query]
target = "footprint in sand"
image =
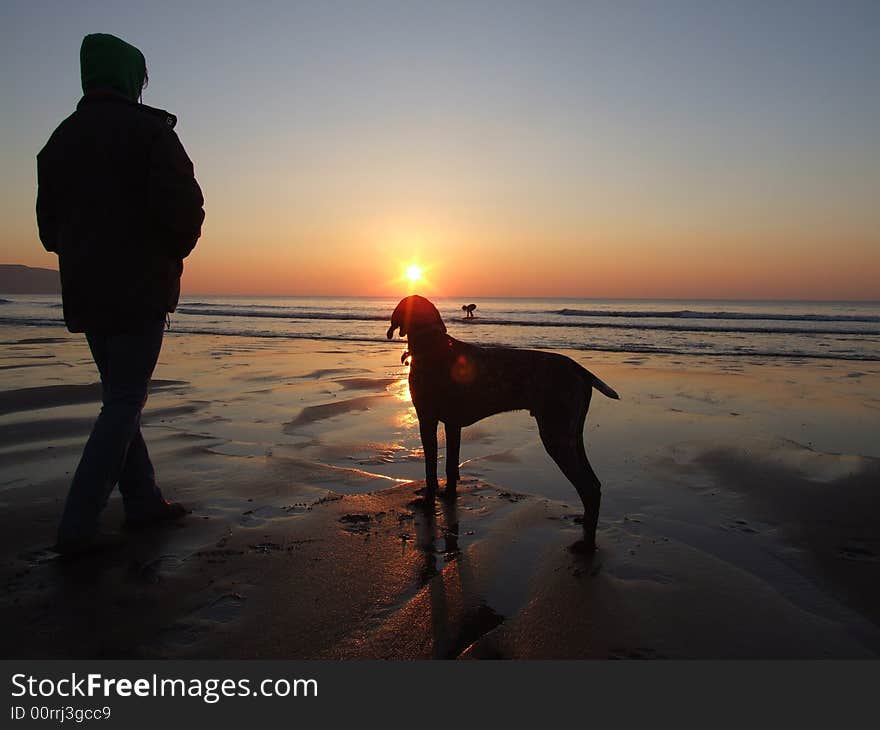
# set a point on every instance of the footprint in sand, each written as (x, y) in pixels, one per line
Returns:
(183, 634)
(154, 571)
(358, 524)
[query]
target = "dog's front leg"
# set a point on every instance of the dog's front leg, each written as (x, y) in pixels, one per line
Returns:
(428, 432)
(453, 447)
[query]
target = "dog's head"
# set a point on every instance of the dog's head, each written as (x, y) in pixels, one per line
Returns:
(413, 315)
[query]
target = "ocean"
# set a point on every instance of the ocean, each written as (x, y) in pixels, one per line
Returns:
(722, 329)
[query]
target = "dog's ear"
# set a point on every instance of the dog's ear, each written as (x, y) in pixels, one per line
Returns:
(395, 323)
(397, 320)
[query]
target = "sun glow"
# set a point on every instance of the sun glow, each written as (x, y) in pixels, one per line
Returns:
(415, 275)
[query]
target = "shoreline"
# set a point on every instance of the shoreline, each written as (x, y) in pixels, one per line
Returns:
(719, 356)
(758, 330)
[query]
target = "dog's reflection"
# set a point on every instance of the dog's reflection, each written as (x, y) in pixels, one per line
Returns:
(428, 534)
(444, 572)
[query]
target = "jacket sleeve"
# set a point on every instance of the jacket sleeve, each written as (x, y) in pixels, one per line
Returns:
(47, 213)
(174, 197)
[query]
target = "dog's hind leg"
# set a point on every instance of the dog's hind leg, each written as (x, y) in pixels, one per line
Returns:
(592, 499)
(453, 449)
(562, 435)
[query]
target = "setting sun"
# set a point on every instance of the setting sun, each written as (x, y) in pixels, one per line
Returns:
(414, 273)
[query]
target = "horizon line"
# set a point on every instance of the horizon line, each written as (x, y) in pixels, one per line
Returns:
(794, 300)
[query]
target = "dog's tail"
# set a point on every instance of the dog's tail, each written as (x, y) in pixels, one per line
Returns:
(599, 384)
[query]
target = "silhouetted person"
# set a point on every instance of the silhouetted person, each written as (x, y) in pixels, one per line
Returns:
(118, 202)
(468, 309)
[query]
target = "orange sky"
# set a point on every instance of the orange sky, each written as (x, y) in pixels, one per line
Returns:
(590, 152)
(457, 264)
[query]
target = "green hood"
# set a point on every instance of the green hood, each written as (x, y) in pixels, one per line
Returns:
(108, 61)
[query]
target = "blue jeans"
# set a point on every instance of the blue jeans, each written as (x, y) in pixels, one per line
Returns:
(116, 452)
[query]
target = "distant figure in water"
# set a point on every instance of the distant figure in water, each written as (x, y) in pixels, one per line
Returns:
(468, 309)
(119, 203)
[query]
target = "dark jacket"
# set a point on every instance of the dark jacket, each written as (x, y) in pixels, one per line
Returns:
(118, 202)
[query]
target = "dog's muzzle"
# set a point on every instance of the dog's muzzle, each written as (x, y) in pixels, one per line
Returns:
(391, 329)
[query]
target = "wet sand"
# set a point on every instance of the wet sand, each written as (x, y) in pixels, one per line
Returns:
(740, 515)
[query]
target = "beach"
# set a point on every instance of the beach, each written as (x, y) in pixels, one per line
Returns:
(739, 515)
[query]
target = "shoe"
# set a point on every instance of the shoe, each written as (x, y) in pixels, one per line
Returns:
(98, 543)
(168, 512)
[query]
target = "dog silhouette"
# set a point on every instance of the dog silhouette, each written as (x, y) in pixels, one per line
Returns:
(458, 384)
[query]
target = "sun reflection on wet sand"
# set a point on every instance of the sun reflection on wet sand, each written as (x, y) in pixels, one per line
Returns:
(407, 419)
(400, 390)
